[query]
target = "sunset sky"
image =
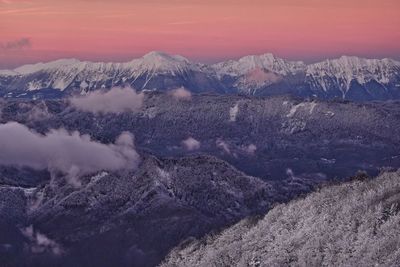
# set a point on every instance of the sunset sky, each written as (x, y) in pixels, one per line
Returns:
(202, 30)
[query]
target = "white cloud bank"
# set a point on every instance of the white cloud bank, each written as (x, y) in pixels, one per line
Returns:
(117, 100)
(59, 151)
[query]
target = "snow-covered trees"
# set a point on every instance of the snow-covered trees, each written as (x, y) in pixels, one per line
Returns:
(352, 224)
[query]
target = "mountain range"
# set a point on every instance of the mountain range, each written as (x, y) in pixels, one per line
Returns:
(347, 77)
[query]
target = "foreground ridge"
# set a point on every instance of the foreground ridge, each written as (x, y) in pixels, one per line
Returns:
(350, 224)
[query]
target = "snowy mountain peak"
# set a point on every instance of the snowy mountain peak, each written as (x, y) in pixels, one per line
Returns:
(266, 61)
(260, 59)
(162, 56)
(31, 68)
(157, 61)
(354, 67)
(8, 73)
(346, 77)
(354, 62)
(342, 71)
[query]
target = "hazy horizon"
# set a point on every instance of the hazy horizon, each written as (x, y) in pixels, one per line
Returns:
(202, 61)
(202, 31)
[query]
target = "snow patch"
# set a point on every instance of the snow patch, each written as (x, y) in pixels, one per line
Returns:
(308, 106)
(98, 176)
(233, 112)
(32, 68)
(84, 85)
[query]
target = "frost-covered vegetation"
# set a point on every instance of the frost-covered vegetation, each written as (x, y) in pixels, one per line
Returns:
(352, 224)
(308, 136)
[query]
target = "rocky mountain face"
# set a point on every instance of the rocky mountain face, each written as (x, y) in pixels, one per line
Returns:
(353, 224)
(349, 78)
(154, 71)
(355, 78)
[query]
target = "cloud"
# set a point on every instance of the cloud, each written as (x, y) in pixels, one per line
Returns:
(250, 149)
(117, 100)
(34, 112)
(16, 44)
(181, 94)
(223, 145)
(13, 1)
(290, 173)
(41, 243)
(61, 152)
(191, 144)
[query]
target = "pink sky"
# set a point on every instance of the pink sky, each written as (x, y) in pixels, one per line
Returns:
(202, 30)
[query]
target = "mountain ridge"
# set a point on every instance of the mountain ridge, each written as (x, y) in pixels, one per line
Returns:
(160, 54)
(346, 77)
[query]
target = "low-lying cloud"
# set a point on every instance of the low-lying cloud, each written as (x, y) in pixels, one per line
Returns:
(35, 112)
(59, 151)
(117, 100)
(191, 144)
(181, 94)
(223, 145)
(250, 149)
(41, 243)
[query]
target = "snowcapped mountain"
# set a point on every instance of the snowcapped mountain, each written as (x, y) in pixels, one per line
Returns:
(250, 73)
(153, 71)
(266, 61)
(353, 77)
(350, 78)
(347, 77)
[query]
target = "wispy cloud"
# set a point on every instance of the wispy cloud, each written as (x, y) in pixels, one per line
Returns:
(19, 11)
(183, 22)
(16, 44)
(189, 22)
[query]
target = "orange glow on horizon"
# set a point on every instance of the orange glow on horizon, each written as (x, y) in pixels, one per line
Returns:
(200, 30)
